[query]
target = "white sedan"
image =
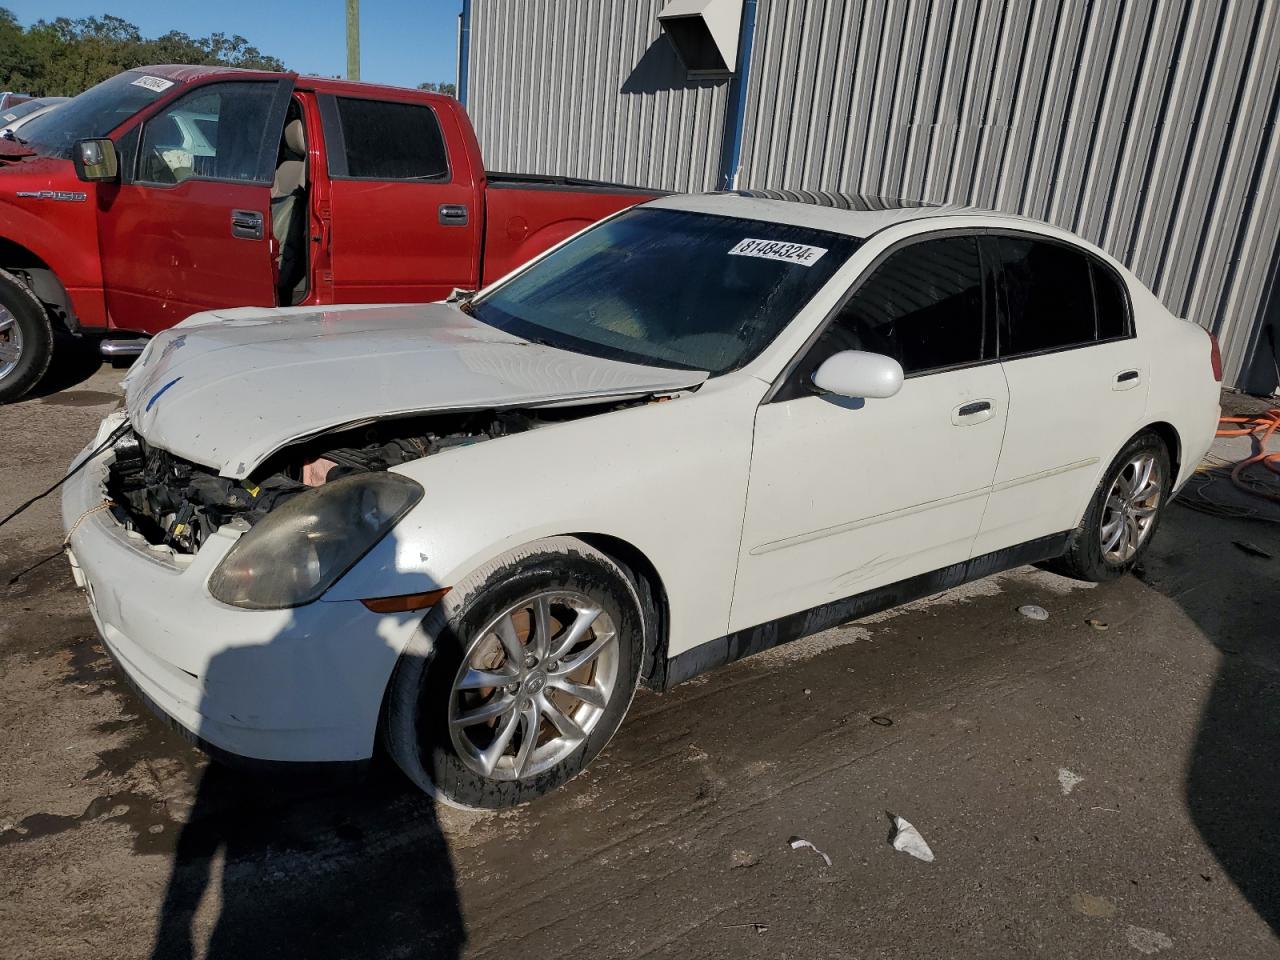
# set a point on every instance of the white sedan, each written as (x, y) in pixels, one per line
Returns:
(703, 427)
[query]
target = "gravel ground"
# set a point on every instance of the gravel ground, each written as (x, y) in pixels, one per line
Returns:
(1087, 792)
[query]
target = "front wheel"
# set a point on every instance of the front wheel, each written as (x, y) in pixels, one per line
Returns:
(1123, 514)
(26, 338)
(518, 677)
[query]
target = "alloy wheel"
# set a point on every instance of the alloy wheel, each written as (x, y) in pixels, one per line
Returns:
(10, 342)
(533, 685)
(1130, 510)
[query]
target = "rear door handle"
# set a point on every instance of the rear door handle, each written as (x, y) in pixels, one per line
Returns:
(453, 215)
(973, 411)
(247, 224)
(1127, 379)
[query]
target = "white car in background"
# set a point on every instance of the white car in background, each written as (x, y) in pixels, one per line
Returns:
(706, 426)
(18, 116)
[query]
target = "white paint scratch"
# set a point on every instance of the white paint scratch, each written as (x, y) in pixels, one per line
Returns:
(1147, 941)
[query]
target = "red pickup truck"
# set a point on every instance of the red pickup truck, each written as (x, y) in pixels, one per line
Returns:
(169, 190)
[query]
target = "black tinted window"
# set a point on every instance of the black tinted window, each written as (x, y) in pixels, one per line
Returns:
(1048, 296)
(391, 141)
(1112, 303)
(922, 306)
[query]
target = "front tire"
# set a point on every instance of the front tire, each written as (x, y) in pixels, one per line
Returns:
(26, 338)
(1123, 515)
(518, 677)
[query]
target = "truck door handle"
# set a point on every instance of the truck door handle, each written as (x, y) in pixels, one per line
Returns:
(246, 224)
(975, 411)
(1127, 379)
(453, 215)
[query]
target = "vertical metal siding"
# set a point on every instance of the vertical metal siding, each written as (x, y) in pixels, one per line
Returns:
(589, 88)
(1147, 126)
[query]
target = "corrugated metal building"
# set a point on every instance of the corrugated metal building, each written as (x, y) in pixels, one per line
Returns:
(1147, 126)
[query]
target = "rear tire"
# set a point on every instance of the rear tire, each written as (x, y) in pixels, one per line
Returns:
(486, 629)
(1123, 515)
(26, 338)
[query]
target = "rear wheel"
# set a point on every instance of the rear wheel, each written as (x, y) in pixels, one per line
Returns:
(519, 676)
(1123, 514)
(26, 338)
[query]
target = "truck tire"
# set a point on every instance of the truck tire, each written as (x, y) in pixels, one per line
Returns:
(26, 338)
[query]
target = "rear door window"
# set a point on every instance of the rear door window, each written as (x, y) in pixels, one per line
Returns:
(923, 305)
(381, 140)
(1048, 297)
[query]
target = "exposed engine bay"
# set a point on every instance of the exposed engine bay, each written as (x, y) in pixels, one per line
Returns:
(174, 502)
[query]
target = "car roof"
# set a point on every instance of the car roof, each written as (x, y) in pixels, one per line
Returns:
(188, 73)
(856, 215)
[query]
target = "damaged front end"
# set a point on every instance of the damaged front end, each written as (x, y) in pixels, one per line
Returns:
(176, 503)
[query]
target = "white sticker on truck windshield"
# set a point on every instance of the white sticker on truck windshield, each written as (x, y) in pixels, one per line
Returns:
(153, 83)
(800, 253)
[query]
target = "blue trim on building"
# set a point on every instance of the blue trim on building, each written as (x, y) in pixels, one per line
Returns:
(735, 114)
(464, 50)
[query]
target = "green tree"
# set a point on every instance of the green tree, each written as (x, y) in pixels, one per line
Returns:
(62, 57)
(448, 89)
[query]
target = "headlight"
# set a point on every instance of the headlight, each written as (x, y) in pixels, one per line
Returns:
(298, 551)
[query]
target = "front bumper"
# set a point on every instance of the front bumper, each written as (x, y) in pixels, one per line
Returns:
(301, 685)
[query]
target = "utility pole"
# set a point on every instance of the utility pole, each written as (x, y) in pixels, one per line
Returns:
(353, 39)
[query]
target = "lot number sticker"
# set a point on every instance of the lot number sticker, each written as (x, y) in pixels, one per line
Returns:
(800, 253)
(157, 84)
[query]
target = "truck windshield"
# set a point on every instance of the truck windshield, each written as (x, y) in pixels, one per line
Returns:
(670, 288)
(94, 113)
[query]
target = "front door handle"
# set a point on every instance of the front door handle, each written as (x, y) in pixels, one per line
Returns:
(1127, 379)
(247, 224)
(973, 411)
(453, 215)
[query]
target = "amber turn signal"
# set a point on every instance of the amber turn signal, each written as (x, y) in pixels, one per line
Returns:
(405, 602)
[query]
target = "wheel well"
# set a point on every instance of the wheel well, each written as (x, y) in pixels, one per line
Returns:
(653, 595)
(43, 282)
(1169, 434)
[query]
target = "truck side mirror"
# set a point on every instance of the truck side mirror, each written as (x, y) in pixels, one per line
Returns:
(96, 160)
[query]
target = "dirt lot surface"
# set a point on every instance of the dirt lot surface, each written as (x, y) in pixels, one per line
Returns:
(1087, 792)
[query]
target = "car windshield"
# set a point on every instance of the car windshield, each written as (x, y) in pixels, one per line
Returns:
(669, 288)
(94, 113)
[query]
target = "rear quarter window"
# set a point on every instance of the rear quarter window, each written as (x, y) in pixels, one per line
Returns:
(1112, 303)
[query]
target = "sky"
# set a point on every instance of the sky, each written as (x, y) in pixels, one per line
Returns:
(402, 42)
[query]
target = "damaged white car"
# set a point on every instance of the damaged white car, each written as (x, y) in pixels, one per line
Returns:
(704, 427)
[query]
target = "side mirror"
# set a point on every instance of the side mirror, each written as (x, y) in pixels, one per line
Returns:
(859, 375)
(96, 160)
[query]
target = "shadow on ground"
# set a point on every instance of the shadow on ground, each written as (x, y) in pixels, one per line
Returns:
(75, 360)
(288, 863)
(1233, 772)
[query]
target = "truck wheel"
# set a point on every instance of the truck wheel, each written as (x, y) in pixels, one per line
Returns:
(518, 677)
(26, 338)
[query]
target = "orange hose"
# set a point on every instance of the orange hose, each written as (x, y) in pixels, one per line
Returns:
(1260, 427)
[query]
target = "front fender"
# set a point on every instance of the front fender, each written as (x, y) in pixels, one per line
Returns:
(668, 478)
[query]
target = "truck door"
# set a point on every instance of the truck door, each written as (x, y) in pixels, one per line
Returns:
(189, 227)
(405, 220)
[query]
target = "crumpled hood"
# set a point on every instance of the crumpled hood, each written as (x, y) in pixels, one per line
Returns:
(229, 388)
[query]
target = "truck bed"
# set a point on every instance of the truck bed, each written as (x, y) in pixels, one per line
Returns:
(527, 213)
